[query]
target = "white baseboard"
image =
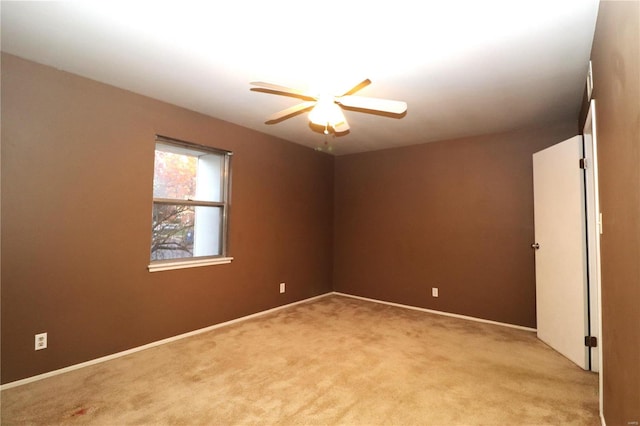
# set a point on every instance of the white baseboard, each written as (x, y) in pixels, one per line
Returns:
(153, 344)
(431, 311)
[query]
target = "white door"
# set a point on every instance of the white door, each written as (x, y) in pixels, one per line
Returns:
(594, 229)
(561, 271)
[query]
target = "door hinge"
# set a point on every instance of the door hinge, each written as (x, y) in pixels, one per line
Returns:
(583, 163)
(591, 341)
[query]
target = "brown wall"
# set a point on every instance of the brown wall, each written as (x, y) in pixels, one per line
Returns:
(616, 71)
(457, 215)
(77, 171)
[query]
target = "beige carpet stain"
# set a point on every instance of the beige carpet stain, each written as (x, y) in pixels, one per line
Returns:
(333, 361)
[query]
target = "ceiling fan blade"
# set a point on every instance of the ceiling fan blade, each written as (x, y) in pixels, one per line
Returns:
(281, 115)
(341, 127)
(282, 89)
(375, 104)
(358, 86)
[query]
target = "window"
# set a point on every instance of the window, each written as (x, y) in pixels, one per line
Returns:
(191, 186)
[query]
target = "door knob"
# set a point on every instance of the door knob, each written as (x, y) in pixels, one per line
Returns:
(535, 246)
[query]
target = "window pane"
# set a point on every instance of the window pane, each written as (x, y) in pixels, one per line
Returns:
(172, 231)
(174, 175)
(181, 231)
(208, 231)
(209, 179)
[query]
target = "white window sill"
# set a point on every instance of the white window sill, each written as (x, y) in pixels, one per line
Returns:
(181, 264)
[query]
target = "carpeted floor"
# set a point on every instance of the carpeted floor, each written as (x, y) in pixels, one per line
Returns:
(333, 361)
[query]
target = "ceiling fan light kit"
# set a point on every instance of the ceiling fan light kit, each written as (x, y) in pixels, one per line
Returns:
(325, 110)
(328, 114)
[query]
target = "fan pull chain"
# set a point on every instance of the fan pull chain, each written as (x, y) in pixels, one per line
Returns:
(326, 129)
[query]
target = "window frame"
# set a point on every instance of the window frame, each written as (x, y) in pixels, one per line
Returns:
(224, 205)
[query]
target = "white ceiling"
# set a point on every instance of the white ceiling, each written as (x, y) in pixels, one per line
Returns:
(464, 67)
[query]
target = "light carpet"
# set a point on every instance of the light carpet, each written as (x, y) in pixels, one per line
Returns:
(332, 361)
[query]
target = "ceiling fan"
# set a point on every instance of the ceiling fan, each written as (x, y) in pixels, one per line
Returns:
(325, 109)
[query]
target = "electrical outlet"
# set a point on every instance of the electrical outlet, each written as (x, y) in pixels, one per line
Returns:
(41, 341)
(434, 292)
(282, 289)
